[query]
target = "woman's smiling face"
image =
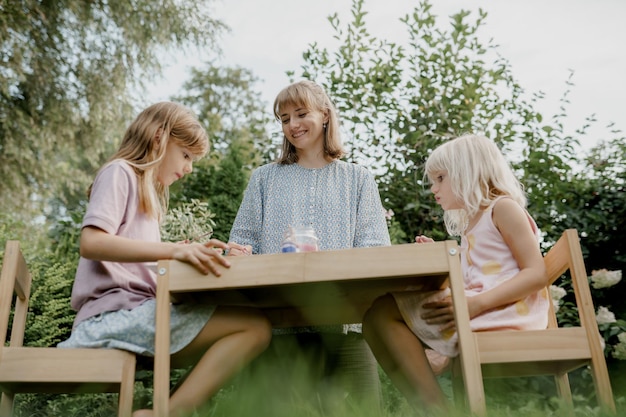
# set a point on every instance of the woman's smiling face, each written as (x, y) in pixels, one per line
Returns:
(303, 128)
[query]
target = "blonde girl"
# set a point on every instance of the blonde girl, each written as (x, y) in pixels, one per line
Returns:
(114, 288)
(502, 265)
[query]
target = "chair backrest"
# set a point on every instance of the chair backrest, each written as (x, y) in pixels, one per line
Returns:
(566, 255)
(15, 283)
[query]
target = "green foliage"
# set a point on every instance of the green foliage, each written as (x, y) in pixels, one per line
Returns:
(234, 116)
(64, 235)
(51, 317)
(13, 227)
(221, 185)
(398, 102)
(66, 81)
(230, 109)
(596, 205)
(54, 405)
(396, 234)
(191, 221)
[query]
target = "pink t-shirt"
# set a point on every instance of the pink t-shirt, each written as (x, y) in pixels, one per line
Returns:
(102, 286)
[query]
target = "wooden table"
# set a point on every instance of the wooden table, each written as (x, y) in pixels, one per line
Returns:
(314, 288)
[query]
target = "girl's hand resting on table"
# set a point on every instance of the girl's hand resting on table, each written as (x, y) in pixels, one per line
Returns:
(204, 256)
(423, 239)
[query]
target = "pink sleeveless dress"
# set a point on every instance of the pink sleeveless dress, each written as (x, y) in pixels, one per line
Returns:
(486, 262)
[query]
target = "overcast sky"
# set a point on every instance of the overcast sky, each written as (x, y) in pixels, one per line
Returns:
(542, 39)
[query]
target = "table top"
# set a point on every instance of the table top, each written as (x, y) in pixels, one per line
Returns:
(333, 286)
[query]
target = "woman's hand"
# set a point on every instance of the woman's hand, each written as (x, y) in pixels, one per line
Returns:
(235, 249)
(206, 257)
(423, 239)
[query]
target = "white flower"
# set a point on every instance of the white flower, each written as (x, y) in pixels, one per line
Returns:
(604, 316)
(388, 214)
(556, 293)
(604, 279)
(619, 350)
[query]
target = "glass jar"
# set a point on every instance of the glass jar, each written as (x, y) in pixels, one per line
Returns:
(299, 239)
(305, 239)
(288, 244)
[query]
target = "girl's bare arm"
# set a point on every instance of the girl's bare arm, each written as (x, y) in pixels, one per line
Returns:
(514, 225)
(99, 245)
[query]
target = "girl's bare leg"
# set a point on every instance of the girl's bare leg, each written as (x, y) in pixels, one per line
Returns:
(231, 339)
(401, 354)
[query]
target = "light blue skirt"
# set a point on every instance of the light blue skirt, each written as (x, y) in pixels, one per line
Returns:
(134, 330)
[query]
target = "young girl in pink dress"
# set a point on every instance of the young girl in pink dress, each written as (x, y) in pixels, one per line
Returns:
(412, 334)
(114, 289)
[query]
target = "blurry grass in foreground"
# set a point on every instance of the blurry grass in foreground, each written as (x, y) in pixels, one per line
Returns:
(265, 390)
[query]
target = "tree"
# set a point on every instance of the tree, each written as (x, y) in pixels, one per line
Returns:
(398, 102)
(67, 78)
(234, 115)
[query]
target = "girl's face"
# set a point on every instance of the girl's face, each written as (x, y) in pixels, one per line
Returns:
(442, 189)
(176, 163)
(303, 127)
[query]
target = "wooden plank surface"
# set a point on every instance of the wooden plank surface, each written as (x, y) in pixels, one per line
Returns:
(328, 287)
(245, 271)
(408, 260)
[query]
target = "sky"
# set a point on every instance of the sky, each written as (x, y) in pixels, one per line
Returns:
(542, 39)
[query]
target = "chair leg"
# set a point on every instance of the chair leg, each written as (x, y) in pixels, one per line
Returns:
(468, 387)
(458, 389)
(604, 392)
(564, 391)
(127, 387)
(6, 405)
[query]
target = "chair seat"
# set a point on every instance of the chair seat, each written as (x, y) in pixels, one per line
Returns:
(63, 366)
(561, 344)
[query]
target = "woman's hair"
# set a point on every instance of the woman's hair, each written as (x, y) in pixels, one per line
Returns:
(309, 95)
(478, 174)
(144, 145)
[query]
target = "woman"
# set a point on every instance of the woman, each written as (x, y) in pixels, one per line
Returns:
(310, 186)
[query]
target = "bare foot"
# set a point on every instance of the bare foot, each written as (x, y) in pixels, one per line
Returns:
(143, 413)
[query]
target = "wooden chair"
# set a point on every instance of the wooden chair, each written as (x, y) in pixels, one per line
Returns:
(49, 369)
(553, 351)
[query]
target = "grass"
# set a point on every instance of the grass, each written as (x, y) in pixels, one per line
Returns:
(513, 398)
(289, 385)
(269, 389)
